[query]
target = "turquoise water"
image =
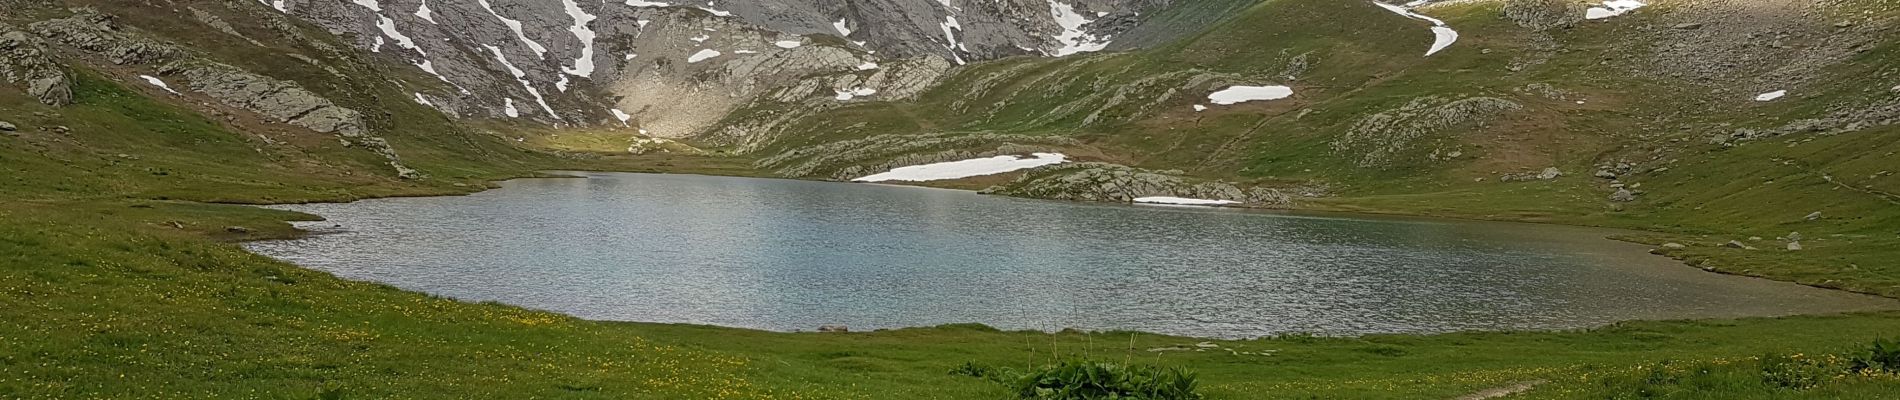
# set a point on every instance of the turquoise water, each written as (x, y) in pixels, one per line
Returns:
(794, 255)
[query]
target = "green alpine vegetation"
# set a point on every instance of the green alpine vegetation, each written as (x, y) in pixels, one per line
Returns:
(123, 206)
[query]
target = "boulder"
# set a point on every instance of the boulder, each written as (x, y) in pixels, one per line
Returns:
(1605, 174)
(1813, 216)
(834, 329)
(1550, 173)
(1688, 25)
(1673, 245)
(1794, 246)
(8, 126)
(1623, 196)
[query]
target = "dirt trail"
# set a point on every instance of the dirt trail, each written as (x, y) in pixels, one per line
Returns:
(1501, 391)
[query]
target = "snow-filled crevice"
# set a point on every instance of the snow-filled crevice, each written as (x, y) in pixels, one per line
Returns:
(1442, 35)
(515, 25)
(521, 76)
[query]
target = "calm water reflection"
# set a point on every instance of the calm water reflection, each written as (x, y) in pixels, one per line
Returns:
(792, 255)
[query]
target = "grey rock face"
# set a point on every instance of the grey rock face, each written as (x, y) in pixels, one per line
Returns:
(1543, 14)
(282, 101)
(94, 32)
(23, 60)
(570, 62)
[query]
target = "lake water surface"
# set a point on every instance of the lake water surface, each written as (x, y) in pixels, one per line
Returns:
(793, 255)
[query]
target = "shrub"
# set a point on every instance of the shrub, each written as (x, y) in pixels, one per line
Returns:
(1794, 372)
(1084, 380)
(1883, 357)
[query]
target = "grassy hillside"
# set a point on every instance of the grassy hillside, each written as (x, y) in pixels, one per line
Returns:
(1582, 97)
(120, 276)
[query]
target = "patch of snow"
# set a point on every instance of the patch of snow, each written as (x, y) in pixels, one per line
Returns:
(700, 39)
(508, 108)
(950, 27)
(1241, 94)
(843, 30)
(642, 3)
(867, 66)
(424, 13)
(278, 4)
(844, 95)
(788, 44)
(423, 100)
(515, 25)
(629, 56)
(377, 45)
(965, 168)
(429, 67)
(716, 13)
(158, 82)
(583, 66)
(1771, 96)
(521, 76)
(388, 26)
(1183, 201)
(1073, 38)
(620, 115)
(1199, 108)
(744, 52)
(561, 85)
(1612, 8)
(370, 4)
(702, 55)
(1442, 35)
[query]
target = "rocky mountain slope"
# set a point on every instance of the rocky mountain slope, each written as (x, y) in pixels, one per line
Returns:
(674, 69)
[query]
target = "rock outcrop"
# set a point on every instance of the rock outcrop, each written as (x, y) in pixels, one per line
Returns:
(1543, 14)
(24, 61)
(1403, 136)
(274, 99)
(1104, 182)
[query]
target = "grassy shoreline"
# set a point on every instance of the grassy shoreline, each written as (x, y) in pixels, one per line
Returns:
(136, 248)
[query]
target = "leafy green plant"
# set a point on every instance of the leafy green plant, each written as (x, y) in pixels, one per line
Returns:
(978, 371)
(1086, 380)
(1794, 372)
(1883, 357)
